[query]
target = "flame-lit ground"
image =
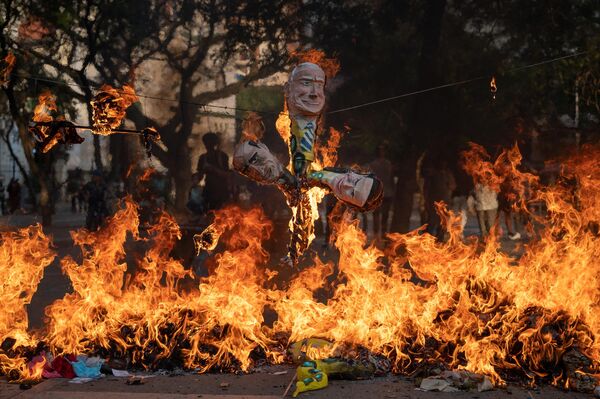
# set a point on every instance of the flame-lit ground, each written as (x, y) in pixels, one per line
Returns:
(462, 304)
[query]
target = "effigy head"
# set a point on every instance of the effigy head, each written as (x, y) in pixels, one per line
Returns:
(254, 160)
(360, 190)
(305, 90)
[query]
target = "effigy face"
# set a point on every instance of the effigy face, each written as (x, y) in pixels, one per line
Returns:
(363, 191)
(304, 90)
(254, 160)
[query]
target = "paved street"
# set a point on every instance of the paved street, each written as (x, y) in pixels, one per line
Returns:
(263, 385)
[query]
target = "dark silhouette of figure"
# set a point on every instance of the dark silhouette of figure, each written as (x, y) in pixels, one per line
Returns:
(2, 196)
(14, 195)
(439, 186)
(74, 185)
(214, 167)
(382, 168)
(95, 192)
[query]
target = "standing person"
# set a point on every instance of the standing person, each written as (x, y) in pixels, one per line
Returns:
(439, 186)
(382, 168)
(507, 200)
(214, 167)
(14, 195)
(95, 192)
(74, 187)
(486, 206)
(2, 196)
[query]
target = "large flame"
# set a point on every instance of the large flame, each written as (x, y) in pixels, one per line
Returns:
(465, 304)
(24, 254)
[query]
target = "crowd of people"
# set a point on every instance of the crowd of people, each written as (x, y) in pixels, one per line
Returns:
(215, 184)
(437, 182)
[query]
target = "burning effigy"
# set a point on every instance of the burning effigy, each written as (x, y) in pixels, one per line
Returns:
(305, 182)
(48, 131)
(466, 308)
(108, 111)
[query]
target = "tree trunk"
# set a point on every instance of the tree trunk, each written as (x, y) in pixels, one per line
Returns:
(423, 126)
(44, 200)
(97, 153)
(181, 171)
(16, 160)
(41, 174)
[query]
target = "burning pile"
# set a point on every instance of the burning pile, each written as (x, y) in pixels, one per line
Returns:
(24, 254)
(421, 302)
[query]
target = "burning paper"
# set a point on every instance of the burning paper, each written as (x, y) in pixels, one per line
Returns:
(208, 239)
(47, 131)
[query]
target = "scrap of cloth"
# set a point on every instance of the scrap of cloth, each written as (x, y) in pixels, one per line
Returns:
(87, 367)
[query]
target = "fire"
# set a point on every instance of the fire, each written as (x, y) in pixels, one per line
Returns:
(7, 67)
(493, 87)
(331, 66)
(47, 131)
(109, 107)
(144, 316)
(464, 304)
(42, 113)
(282, 124)
(24, 254)
(476, 162)
(208, 239)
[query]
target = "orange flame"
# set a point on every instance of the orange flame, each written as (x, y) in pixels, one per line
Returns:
(109, 107)
(24, 254)
(493, 87)
(331, 66)
(468, 304)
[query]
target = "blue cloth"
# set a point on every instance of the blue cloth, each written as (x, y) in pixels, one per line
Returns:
(87, 367)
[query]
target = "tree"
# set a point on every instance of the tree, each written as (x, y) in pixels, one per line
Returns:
(18, 95)
(393, 47)
(103, 41)
(210, 36)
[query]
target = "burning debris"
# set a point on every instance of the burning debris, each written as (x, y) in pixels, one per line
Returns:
(109, 107)
(469, 307)
(149, 136)
(108, 111)
(47, 131)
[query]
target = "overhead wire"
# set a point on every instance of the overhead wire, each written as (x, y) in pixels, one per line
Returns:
(204, 106)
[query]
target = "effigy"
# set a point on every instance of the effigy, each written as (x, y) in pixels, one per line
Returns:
(305, 98)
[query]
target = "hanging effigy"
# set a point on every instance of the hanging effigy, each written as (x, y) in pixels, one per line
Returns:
(305, 98)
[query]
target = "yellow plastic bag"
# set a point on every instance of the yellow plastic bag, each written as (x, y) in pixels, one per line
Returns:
(318, 380)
